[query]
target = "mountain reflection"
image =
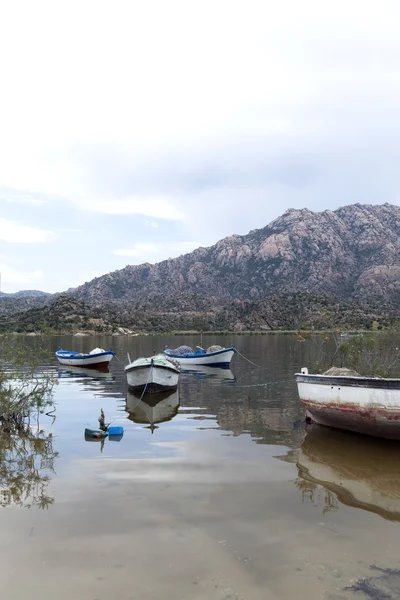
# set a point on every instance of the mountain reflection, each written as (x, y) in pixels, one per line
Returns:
(357, 470)
(26, 462)
(152, 408)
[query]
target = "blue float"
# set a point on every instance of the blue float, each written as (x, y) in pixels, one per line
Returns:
(115, 430)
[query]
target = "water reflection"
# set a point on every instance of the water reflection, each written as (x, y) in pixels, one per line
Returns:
(358, 471)
(202, 371)
(26, 462)
(81, 373)
(152, 408)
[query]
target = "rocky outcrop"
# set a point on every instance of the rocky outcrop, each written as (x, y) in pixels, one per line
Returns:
(304, 270)
(353, 252)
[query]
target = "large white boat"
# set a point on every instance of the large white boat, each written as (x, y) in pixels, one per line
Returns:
(153, 374)
(96, 357)
(369, 405)
(214, 356)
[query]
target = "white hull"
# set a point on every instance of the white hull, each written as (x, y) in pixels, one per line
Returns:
(212, 359)
(85, 362)
(360, 404)
(152, 374)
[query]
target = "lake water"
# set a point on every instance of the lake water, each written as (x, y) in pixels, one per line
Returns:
(217, 492)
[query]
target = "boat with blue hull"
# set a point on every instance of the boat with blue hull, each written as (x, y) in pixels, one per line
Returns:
(214, 356)
(96, 357)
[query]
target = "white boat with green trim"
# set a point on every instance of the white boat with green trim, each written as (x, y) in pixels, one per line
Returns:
(153, 374)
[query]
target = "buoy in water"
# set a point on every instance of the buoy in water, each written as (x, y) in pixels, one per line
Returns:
(115, 430)
(95, 434)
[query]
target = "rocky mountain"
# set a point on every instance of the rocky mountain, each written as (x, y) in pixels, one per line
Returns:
(304, 270)
(11, 303)
(352, 253)
(25, 294)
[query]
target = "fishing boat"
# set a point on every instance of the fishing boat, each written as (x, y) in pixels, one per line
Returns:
(214, 356)
(341, 398)
(152, 409)
(153, 374)
(96, 357)
(360, 471)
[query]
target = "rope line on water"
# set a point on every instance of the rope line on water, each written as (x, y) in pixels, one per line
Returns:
(264, 384)
(248, 360)
(144, 389)
(119, 360)
(143, 393)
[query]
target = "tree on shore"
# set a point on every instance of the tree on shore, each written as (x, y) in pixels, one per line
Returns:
(25, 383)
(27, 455)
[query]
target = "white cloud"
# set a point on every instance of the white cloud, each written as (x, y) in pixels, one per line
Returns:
(14, 233)
(143, 250)
(26, 199)
(149, 206)
(137, 249)
(69, 230)
(9, 275)
(234, 112)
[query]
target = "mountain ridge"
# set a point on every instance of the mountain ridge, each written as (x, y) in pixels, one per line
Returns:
(304, 269)
(345, 252)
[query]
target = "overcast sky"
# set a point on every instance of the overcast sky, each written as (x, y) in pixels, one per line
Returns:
(136, 131)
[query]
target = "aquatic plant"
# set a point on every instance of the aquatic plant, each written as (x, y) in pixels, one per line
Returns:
(25, 385)
(376, 354)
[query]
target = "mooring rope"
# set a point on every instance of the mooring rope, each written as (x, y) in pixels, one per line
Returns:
(119, 360)
(148, 379)
(264, 384)
(144, 389)
(248, 360)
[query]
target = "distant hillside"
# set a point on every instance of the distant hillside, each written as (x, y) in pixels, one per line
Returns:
(63, 314)
(351, 253)
(25, 294)
(289, 311)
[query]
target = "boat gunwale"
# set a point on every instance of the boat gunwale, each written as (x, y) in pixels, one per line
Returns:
(73, 354)
(167, 352)
(133, 367)
(340, 380)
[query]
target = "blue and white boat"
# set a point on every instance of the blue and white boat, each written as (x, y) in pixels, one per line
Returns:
(97, 357)
(214, 356)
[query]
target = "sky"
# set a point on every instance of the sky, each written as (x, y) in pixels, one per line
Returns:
(135, 131)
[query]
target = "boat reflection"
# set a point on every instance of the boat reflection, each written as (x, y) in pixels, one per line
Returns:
(363, 472)
(202, 371)
(85, 372)
(152, 408)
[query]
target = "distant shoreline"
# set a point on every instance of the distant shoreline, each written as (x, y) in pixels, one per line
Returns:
(199, 333)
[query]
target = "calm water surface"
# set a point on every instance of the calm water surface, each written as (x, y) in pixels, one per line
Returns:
(215, 492)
